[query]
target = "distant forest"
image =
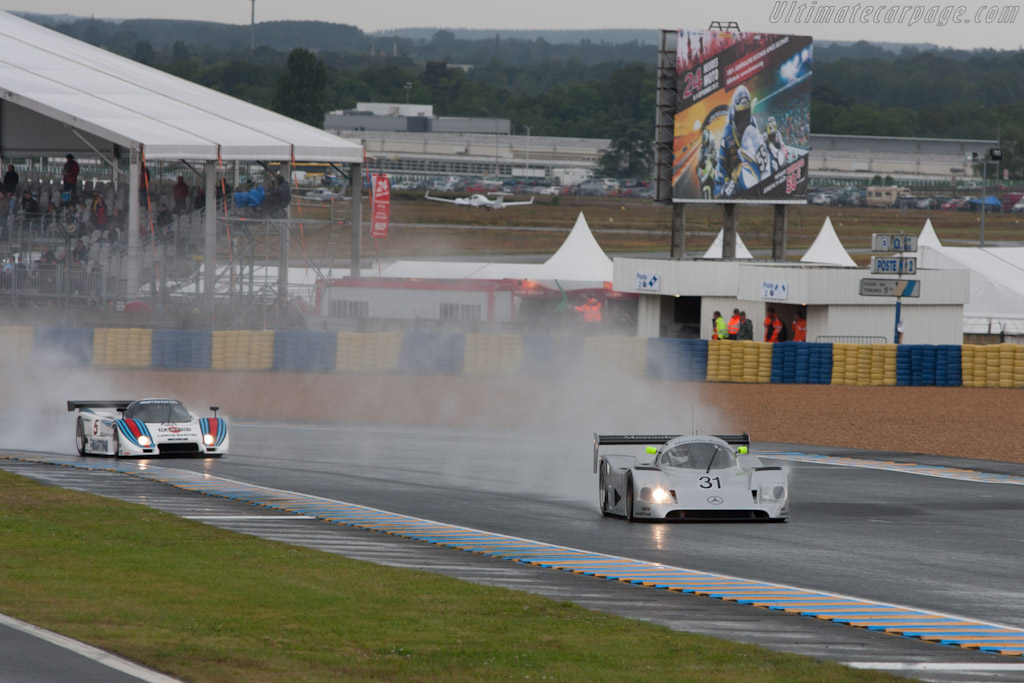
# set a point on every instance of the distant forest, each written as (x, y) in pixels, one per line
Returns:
(562, 83)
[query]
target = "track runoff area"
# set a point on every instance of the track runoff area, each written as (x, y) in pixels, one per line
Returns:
(944, 629)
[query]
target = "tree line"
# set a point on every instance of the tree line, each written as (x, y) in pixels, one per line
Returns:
(581, 89)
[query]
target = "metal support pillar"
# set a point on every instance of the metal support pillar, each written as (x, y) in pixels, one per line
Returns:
(729, 231)
(132, 226)
(210, 236)
(357, 217)
(779, 232)
(678, 231)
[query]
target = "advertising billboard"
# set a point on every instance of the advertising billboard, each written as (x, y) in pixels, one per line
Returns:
(742, 126)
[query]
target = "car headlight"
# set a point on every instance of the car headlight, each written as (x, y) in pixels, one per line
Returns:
(144, 441)
(771, 493)
(656, 495)
(660, 495)
(208, 439)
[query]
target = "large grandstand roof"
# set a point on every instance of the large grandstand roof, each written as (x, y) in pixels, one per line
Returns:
(60, 95)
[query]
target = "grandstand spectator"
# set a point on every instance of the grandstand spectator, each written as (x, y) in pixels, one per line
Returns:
(165, 223)
(11, 180)
(5, 211)
(80, 254)
(180, 194)
(70, 177)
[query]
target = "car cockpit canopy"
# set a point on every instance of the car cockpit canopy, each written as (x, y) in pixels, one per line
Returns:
(161, 411)
(698, 455)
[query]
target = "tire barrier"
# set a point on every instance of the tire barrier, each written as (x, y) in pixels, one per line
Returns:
(122, 348)
(431, 353)
(545, 356)
(801, 363)
(923, 365)
(181, 349)
(749, 362)
(676, 359)
(541, 356)
(492, 355)
(74, 343)
(372, 352)
(305, 350)
(616, 355)
(995, 365)
(242, 350)
(16, 344)
(864, 364)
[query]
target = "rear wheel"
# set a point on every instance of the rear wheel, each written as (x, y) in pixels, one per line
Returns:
(116, 441)
(80, 437)
(629, 498)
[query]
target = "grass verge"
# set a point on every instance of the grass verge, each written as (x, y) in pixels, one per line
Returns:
(206, 604)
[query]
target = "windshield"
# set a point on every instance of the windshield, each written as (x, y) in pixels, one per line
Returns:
(698, 456)
(160, 412)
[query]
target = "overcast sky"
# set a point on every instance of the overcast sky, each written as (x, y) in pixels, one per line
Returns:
(899, 22)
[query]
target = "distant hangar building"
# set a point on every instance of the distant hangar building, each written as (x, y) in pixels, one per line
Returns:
(409, 140)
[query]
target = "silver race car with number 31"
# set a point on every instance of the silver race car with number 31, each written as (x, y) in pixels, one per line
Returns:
(689, 478)
(146, 428)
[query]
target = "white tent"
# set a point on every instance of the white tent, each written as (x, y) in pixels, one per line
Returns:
(928, 238)
(996, 282)
(827, 249)
(579, 263)
(63, 95)
(715, 250)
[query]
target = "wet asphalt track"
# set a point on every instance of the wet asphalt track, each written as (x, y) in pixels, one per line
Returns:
(936, 544)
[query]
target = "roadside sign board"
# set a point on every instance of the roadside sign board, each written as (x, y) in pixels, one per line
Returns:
(882, 242)
(894, 265)
(648, 282)
(870, 286)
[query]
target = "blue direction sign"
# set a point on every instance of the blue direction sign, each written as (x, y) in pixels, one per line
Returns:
(894, 265)
(881, 242)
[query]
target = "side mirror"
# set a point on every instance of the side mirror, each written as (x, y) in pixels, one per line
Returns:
(652, 450)
(742, 450)
(215, 409)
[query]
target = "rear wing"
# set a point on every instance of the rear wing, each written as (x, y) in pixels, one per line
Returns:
(641, 439)
(80, 405)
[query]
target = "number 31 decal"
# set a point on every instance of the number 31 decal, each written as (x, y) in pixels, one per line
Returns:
(710, 483)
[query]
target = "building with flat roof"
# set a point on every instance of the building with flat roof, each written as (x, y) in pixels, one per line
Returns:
(408, 140)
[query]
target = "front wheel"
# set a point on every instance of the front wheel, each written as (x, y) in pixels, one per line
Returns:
(80, 437)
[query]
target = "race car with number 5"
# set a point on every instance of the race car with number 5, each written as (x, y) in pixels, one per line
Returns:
(689, 478)
(146, 428)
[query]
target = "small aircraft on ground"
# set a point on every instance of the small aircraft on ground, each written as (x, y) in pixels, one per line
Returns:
(479, 200)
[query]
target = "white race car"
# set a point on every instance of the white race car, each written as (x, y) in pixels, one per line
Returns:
(146, 428)
(689, 478)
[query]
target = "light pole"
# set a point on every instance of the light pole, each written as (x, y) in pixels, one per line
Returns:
(994, 155)
(528, 176)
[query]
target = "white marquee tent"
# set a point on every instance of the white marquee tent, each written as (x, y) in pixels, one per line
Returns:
(827, 249)
(59, 95)
(715, 250)
(996, 302)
